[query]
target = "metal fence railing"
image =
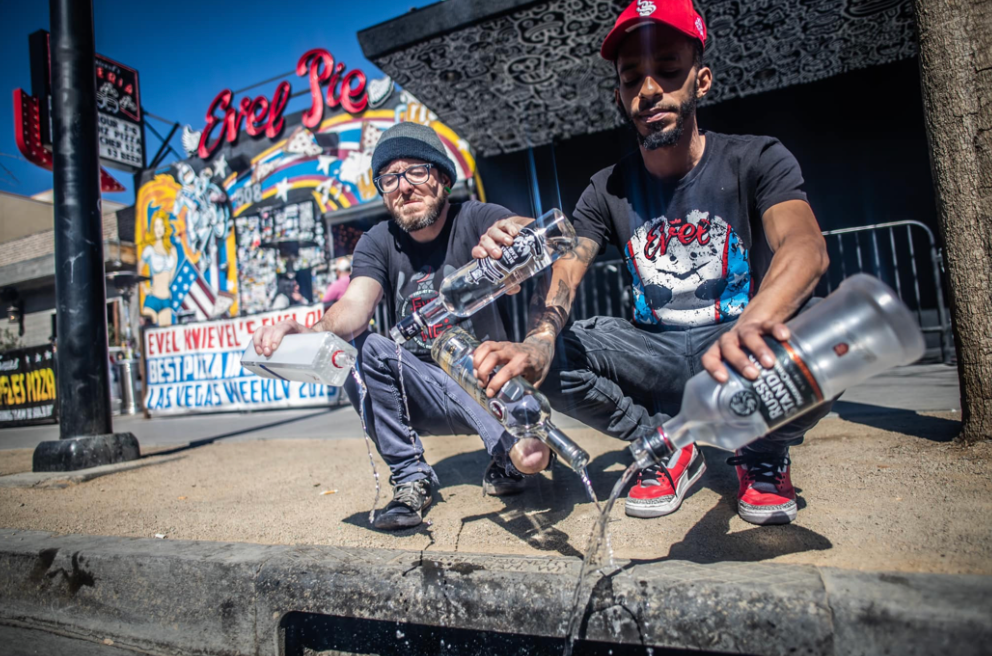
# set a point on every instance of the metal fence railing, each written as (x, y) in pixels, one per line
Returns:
(903, 254)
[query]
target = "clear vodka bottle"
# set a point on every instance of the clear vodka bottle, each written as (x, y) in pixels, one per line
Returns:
(860, 330)
(322, 358)
(519, 407)
(481, 282)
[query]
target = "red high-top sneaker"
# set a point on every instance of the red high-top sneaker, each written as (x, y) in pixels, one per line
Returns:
(655, 495)
(766, 495)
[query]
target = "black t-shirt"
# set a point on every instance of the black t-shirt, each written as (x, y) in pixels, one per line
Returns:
(411, 272)
(695, 248)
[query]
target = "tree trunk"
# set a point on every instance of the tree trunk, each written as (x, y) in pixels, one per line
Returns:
(956, 77)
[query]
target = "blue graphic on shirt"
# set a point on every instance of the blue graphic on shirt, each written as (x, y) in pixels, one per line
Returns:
(688, 272)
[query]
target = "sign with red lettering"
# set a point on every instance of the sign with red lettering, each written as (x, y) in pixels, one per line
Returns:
(196, 368)
(262, 115)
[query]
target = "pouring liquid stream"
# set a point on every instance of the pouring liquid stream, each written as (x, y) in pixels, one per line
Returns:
(584, 475)
(368, 440)
(596, 539)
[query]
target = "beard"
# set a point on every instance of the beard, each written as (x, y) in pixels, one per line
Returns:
(660, 137)
(426, 217)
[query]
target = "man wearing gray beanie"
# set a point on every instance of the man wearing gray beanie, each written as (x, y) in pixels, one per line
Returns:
(403, 262)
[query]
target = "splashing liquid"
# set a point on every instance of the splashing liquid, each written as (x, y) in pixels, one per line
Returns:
(596, 540)
(406, 408)
(368, 441)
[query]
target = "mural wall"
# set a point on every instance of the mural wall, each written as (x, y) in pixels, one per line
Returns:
(225, 236)
(186, 247)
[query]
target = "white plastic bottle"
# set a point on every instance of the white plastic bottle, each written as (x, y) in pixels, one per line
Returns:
(322, 358)
(480, 282)
(858, 331)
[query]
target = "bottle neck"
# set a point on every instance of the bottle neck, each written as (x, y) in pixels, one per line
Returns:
(432, 314)
(342, 360)
(677, 431)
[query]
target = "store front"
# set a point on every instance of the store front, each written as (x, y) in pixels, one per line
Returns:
(836, 81)
(246, 229)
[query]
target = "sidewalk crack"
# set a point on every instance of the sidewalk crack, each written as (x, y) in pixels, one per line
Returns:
(418, 564)
(830, 610)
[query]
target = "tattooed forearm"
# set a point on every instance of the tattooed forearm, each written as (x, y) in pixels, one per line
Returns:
(549, 313)
(585, 251)
(552, 300)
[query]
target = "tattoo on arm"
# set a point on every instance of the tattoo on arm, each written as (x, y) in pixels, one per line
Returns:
(550, 316)
(585, 251)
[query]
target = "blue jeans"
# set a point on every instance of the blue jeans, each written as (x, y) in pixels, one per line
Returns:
(437, 406)
(624, 379)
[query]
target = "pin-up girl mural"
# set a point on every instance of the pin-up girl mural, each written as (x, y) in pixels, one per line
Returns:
(184, 240)
(158, 247)
(160, 259)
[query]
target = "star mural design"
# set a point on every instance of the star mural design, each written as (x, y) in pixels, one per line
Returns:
(324, 164)
(220, 166)
(282, 190)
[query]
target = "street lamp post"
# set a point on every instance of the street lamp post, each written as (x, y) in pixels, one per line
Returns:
(86, 437)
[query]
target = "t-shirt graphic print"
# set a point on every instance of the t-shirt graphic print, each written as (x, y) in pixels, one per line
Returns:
(695, 248)
(419, 291)
(688, 272)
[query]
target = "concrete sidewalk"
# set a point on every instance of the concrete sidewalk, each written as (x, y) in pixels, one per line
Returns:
(267, 547)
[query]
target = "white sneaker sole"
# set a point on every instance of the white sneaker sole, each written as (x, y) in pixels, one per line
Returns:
(646, 508)
(763, 516)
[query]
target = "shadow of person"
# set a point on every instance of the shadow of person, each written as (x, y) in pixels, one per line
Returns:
(603, 480)
(530, 516)
(710, 539)
(936, 429)
(466, 468)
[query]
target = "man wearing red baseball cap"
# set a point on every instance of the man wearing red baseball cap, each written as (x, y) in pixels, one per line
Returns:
(721, 246)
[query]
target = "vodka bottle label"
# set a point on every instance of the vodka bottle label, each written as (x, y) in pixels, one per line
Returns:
(527, 245)
(779, 393)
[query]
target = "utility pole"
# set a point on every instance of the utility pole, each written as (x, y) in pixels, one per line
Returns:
(86, 437)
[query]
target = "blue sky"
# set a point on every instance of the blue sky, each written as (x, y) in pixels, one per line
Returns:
(185, 52)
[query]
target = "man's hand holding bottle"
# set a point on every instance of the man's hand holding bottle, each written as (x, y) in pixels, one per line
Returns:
(267, 338)
(530, 359)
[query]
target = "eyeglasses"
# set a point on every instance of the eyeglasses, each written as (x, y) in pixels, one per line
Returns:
(415, 175)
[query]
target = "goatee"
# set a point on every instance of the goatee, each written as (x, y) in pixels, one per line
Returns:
(427, 219)
(662, 138)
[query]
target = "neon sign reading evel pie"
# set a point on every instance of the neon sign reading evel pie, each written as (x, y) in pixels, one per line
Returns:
(263, 115)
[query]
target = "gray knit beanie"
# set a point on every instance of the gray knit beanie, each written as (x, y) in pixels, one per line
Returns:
(414, 140)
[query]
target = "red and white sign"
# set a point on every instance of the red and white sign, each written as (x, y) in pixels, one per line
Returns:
(262, 115)
(196, 368)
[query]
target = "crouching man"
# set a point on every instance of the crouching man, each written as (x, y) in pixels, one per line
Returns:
(404, 261)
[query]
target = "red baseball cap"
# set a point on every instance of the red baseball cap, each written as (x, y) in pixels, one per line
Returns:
(679, 14)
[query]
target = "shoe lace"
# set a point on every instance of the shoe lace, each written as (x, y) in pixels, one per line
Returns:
(495, 472)
(653, 473)
(411, 494)
(761, 468)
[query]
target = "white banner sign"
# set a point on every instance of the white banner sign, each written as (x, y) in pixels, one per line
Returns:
(196, 367)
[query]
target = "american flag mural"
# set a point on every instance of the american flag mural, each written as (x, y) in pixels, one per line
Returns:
(190, 292)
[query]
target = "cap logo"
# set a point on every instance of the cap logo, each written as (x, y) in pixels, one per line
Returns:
(699, 26)
(645, 7)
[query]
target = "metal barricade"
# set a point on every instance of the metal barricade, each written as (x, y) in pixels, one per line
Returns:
(905, 256)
